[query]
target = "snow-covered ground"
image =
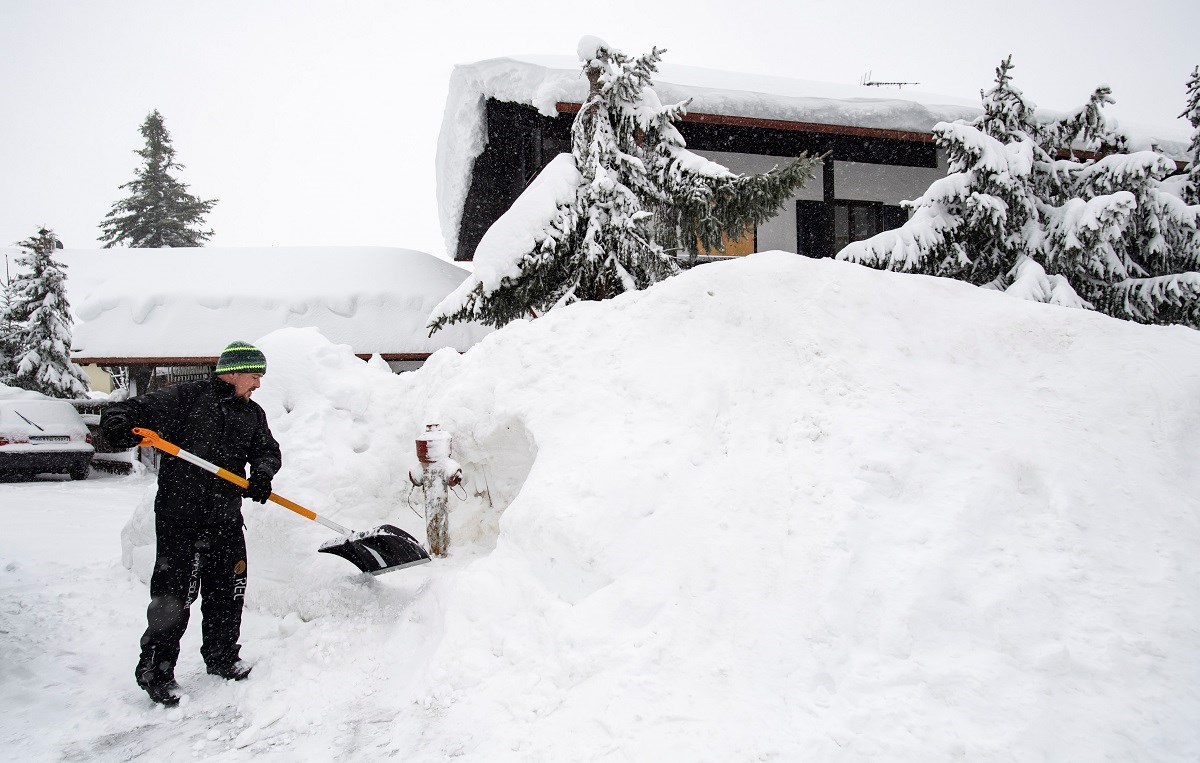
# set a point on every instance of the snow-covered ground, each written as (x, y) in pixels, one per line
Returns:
(773, 508)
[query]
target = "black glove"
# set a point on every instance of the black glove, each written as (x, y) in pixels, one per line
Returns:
(259, 489)
(118, 432)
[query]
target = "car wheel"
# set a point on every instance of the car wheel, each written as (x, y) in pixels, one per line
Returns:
(80, 472)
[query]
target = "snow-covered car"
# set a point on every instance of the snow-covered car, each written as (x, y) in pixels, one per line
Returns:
(38, 436)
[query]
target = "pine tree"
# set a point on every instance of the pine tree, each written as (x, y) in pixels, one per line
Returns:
(630, 202)
(9, 343)
(1022, 211)
(41, 310)
(159, 211)
(1191, 189)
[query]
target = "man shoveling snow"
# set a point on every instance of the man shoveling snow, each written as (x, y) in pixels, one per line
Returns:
(200, 546)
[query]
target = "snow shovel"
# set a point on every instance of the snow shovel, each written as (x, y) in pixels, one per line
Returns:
(383, 549)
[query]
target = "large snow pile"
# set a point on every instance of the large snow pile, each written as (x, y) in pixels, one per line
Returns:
(192, 302)
(771, 508)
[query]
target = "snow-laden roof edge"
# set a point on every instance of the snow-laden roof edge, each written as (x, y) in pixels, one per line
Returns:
(544, 81)
(190, 302)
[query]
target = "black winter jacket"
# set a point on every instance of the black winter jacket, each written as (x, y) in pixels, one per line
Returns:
(206, 419)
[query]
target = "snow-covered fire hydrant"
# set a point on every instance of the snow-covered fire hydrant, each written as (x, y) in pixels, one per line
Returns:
(438, 474)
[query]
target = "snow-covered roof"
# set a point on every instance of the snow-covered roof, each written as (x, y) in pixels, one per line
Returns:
(545, 81)
(189, 303)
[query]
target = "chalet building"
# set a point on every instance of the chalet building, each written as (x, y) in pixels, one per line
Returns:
(507, 118)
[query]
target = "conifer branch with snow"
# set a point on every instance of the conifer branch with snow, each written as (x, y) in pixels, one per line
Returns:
(9, 336)
(1191, 189)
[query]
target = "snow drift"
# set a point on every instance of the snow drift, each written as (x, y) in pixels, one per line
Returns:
(774, 507)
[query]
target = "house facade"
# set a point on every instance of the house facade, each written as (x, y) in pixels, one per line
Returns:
(507, 118)
(867, 172)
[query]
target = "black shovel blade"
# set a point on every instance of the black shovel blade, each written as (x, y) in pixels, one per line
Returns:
(383, 549)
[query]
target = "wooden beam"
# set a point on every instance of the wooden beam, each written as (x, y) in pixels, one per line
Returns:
(564, 107)
(212, 360)
(155, 361)
(395, 355)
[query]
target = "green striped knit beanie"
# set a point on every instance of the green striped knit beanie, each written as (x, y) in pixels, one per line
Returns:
(241, 358)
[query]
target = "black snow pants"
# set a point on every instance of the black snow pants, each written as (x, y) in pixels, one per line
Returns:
(193, 560)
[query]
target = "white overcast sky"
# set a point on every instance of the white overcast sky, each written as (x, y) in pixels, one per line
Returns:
(315, 123)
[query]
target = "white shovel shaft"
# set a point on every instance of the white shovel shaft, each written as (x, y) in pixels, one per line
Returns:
(242, 482)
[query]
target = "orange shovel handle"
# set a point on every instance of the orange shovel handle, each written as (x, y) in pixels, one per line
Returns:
(150, 439)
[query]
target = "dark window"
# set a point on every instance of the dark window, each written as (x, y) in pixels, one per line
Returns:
(822, 230)
(814, 229)
(892, 217)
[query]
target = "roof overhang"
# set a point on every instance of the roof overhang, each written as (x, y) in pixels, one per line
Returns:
(565, 107)
(212, 359)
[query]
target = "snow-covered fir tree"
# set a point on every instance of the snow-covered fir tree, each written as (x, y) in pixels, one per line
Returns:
(1191, 189)
(159, 211)
(8, 327)
(43, 315)
(620, 212)
(1022, 211)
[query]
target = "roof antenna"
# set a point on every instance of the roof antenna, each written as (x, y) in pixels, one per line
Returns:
(866, 80)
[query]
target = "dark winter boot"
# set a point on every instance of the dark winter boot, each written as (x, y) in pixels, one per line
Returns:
(157, 680)
(231, 671)
(166, 694)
